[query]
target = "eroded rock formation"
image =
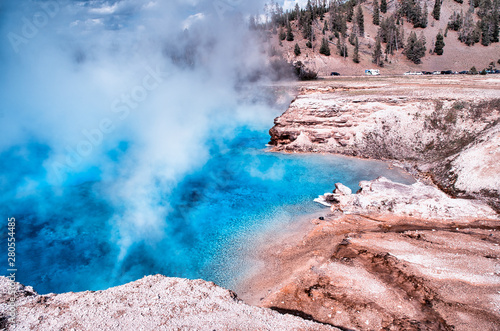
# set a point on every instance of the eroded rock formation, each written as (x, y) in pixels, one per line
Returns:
(417, 200)
(447, 129)
(390, 257)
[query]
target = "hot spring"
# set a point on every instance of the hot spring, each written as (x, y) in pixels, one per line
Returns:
(65, 236)
(172, 175)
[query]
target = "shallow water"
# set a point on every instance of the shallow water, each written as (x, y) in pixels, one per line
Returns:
(65, 235)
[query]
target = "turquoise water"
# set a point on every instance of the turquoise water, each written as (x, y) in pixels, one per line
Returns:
(134, 144)
(65, 234)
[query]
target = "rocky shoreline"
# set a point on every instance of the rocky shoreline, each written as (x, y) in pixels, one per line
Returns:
(393, 256)
(389, 257)
(446, 129)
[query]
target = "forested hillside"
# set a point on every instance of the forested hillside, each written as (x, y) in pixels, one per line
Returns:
(394, 35)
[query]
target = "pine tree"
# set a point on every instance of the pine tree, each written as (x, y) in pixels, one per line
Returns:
(343, 26)
(425, 13)
(310, 10)
(376, 13)
(383, 6)
(416, 15)
(352, 36)
(355, 55)
(289, 34)
(436, 12)
(495, 22)
(324, 49)
(296, 50)
(485, 32)
(496, 28)
(468, 31)
(282, 34)
(415, 48)
(377, 53)
(325, 27)
(390, 33)
(476, 35)
(360, 21)
(350, 11)
(485, 7)
(455, 22)
(335, 18)
(420, 49)
(307, 30)
(438, 46)
(342, 47)
(410, 45)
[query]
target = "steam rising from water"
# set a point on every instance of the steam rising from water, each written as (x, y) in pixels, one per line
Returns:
(126, 92)
(130, 145)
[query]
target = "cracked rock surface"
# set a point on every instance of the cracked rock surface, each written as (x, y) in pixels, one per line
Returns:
(384, 270)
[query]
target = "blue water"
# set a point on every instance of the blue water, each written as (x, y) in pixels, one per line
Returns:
(64, 234)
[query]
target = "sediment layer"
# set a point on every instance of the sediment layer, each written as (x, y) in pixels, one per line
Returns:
(447, 128)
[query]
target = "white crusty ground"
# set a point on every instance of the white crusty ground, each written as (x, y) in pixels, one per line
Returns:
(151, 303)
(478, 167)
(417, 200)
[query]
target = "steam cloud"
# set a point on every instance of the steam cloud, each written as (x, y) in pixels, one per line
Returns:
(127, 92)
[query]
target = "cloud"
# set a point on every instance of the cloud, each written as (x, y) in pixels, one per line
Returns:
(105, 9)
(192, 19)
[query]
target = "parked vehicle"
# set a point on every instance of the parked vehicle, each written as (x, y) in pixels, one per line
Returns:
(334, 73)
(426, 72)
(464, 72)
(372, 72)
(446, 72)
(412, 73)
(436, 72)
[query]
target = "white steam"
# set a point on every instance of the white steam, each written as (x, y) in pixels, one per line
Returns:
(84, 76)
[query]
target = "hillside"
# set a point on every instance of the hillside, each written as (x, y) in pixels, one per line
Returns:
(456, 55)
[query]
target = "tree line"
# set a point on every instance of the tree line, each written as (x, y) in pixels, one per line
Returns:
(335, 29)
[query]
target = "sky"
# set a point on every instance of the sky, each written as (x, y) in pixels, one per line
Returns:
(290, 4)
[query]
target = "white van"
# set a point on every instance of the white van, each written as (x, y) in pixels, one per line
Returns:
(372, 72)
